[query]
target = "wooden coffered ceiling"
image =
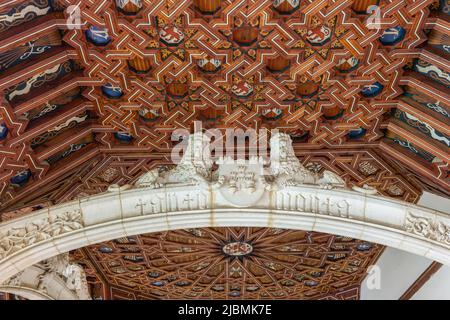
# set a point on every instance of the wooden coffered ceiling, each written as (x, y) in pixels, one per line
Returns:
(86, 106)
(228, 263)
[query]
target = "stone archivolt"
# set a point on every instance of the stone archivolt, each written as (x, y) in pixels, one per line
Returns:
(239, 192)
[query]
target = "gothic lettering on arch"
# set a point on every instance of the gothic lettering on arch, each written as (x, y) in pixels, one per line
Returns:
(157, 204)
(186, 201)
(339, 208)
(194, 201)
(310, 203)
(154, 205)
(141, 205)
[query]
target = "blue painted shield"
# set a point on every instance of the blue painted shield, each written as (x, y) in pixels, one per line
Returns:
(311, 283)
(106, 249)
(123, 136)
(372, 90)
(154, 274)
(363, 246)
(392, 36)
(358, 133)
(234, 294)
(21, 178)
(3, 131)
(444, 6)
(111, 91)
(159, 283)
(98, 36)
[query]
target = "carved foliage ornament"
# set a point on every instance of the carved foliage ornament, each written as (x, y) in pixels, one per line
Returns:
(194, 167)
(428, 228)
(34, 232)
(72, 274)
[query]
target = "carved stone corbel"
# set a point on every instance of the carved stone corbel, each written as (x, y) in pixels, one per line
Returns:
(55, 278)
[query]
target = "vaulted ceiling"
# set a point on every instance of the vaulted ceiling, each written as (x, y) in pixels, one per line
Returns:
(86, 106)
(228, 263)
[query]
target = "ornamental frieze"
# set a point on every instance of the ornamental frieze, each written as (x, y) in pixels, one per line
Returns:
(428, 227)
(43, 229)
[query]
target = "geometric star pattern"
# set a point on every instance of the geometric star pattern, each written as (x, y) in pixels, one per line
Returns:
(231, 263)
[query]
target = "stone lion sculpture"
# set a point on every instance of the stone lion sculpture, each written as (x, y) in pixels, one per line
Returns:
(150, 179)
(72, 273)
(288, 171)
(194, 167)
(284, 165)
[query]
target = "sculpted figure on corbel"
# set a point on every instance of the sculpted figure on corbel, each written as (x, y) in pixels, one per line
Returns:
(196, 164)
(194, 167)
(330, 180)
(56, 275)
(288, 171)
(284, 165)
(72, 274)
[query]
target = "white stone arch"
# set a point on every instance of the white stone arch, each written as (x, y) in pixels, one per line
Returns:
(59, 229)
(55, 278)
(241, 193)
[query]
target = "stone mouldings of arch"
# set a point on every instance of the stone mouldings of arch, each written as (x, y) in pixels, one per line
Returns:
(280, 194)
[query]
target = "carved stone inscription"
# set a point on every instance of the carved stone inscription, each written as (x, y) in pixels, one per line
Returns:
(313, 203)
(172, 202)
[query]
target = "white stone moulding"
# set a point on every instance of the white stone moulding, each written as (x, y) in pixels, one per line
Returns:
(49, 232)
(241, 193)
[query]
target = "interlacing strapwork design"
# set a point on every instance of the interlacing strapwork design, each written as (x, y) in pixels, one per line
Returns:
(137, 70)
(247, 63)
(83, 107)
